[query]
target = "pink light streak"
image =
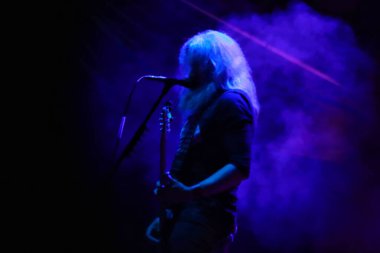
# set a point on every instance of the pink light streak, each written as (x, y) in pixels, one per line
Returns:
(266, 45)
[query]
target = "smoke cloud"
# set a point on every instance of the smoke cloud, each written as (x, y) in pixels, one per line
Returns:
(310, 190)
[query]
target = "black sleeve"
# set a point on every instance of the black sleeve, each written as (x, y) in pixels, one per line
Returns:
(237, 125)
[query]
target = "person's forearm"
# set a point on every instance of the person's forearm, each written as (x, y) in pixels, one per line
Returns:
(227, 177)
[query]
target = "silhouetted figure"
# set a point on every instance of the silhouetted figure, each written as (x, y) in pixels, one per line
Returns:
(214, 153)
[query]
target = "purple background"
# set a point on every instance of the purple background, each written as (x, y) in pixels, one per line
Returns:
(314, 185)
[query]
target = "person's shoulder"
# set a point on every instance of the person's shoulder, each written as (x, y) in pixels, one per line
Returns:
(233, 105)
(234, 99)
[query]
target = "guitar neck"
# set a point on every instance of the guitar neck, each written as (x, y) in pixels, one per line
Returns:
(163, 153)
(165, 127)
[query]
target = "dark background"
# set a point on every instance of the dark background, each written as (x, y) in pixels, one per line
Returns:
(73, 202)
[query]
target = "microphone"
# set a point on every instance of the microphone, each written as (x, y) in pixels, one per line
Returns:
(167, 80)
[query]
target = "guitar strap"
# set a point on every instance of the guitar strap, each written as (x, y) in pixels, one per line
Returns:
(187, 134)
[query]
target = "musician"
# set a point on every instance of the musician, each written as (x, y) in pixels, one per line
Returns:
(214, 153)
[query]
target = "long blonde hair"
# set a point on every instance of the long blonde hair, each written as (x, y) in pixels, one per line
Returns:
(219, 63)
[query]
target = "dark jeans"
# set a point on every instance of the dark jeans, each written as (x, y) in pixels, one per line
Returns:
(201, 230)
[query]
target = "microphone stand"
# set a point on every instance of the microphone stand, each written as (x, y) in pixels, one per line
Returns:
(127, 150)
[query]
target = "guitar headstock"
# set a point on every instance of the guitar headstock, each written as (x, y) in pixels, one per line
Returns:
(166, 117)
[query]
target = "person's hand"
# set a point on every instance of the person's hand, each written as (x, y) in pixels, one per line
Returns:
(153, 231)
(173, 191)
